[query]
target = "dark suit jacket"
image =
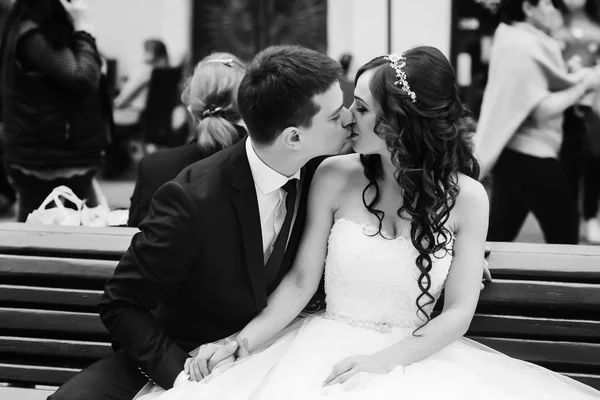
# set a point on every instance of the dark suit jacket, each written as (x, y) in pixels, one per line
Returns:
(195, 272)
(158, 168)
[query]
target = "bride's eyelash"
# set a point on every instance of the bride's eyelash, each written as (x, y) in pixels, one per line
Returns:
(361, 110)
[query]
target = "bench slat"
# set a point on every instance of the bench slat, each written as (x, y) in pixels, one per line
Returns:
(110, 242)
(543, 249)
(549, 295)
(545, 267)
(499, 325)
(546, 262)
(51, 321)
(32, 266)
(35, 373)
(535, 351)
(17, 393)
(590, 380)
(40, 295)
(52, 347)
(543, 261)
(57, 376)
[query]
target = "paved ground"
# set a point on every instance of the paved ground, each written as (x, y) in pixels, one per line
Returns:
(119, 192)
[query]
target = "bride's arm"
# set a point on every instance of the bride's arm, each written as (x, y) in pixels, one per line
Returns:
(460, 300)
(302, 281)
(462, 288)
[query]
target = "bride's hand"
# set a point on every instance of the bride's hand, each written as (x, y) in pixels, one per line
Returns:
(348, 367)
(223, 355)
(209, 356)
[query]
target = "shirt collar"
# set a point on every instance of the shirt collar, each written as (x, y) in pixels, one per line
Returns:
(267, 179)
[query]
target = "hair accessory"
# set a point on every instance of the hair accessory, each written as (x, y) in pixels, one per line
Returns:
(210, 110)
(397, 62)
(227, 61)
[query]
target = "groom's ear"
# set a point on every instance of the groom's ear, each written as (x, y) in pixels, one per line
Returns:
(291, 137)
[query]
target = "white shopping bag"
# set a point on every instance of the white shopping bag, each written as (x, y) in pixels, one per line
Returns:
(101, 215)
(59, 215)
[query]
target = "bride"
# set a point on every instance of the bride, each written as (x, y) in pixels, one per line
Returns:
(390, 227)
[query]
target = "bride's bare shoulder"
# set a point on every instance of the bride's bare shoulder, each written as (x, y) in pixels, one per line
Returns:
(339, 168)
(336, 173)
(472, 203)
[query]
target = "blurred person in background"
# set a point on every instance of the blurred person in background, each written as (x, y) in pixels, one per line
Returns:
(210, 96)
(131, 101)
(7, 194)
(55, 103)
(520, 130)
(580, 152)
(130, 105)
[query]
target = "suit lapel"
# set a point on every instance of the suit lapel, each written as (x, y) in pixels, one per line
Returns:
(246, 206)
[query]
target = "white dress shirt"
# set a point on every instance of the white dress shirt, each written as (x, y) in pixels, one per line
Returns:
(271, 198)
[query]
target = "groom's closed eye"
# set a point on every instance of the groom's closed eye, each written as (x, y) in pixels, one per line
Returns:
(336, 114)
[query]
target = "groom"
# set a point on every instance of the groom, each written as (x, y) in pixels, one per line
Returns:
(220, 236)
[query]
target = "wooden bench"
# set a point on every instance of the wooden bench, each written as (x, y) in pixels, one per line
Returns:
(543, 306)
(51, 279)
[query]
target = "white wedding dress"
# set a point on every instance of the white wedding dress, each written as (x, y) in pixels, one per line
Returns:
(371, 289)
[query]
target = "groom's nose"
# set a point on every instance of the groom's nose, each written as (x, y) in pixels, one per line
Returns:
(348, 118)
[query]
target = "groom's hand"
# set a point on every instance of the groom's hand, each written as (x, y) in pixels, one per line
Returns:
(209, 355)
(223, 355)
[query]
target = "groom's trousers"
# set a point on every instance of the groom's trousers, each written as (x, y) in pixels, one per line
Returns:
(113, 378)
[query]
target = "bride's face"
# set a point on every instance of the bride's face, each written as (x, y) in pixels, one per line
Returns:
(365, 111)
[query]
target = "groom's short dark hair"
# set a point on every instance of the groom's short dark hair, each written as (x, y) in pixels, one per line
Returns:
(278, 87)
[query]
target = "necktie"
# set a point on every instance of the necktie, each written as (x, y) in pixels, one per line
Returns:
(276, 257)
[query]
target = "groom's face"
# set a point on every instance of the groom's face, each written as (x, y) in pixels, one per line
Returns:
(329, 133)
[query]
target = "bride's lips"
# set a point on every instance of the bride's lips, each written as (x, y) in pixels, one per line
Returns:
(353, 135)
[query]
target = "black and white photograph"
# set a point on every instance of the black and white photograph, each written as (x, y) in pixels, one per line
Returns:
(299, 199)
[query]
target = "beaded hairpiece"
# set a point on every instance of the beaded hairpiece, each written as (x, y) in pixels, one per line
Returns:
(397, 62)
(210, 110)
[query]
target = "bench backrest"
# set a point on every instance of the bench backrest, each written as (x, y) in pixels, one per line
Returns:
(51, 279)
(543, 306)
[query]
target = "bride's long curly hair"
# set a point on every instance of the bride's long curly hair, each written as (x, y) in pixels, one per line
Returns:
(430, 143)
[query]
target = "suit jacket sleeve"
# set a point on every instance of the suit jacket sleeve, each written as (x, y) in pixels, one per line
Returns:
(153, 268)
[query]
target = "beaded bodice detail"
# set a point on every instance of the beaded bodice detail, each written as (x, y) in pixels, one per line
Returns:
(371, 281)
